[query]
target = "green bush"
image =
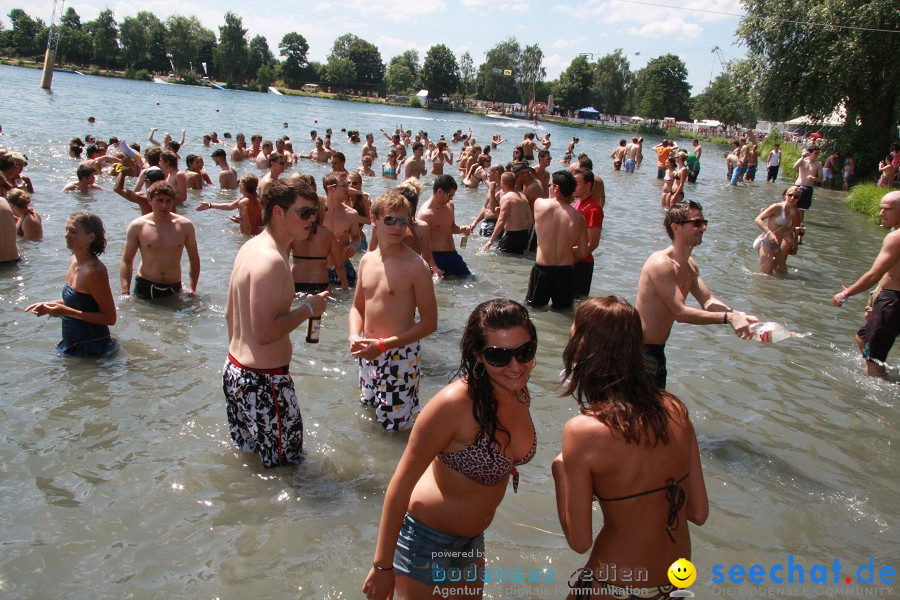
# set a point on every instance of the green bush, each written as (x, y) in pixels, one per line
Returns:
(415, 102)
(866, 198)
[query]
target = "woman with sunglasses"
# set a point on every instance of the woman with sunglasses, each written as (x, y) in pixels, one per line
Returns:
(466, 444)
(633, 446)
(778, 238)
(390, 169)
(313, 254)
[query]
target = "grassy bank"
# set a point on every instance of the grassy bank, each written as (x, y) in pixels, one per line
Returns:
(789, 155)
(866, 198)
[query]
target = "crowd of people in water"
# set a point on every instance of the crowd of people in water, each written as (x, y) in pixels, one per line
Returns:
(629, 443)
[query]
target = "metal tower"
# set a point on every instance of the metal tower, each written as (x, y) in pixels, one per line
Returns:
(52, 44)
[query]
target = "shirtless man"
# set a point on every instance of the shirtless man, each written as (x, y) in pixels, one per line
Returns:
(255, 146)
(262, 408)
(415, 164)
(151, 176)
(882, 325)
(561, 241)
(262, 159)
(343, 221)
(227, 175)
(9, 253)
(698, 149)
(618, 155)
(394, 284)
(541, 173)
(545, 141)
(528, 145)
(161, 237)
(277, 165)
(168, 162)
(439, 213)
(631, 152)
(338, 163)
(369, 148)
(514, 219)
(197, 178)
(527, 183)
(86, 180)
(809, 171)
(487, 216)
(319, 154)
(667, 278)
(239, 152)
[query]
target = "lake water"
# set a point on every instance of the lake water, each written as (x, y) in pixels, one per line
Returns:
(119, 477)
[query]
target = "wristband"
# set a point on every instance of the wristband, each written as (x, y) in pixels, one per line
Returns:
(383, 347)
(308, 306)
(725, 320)
(390, 568)
(844, 294)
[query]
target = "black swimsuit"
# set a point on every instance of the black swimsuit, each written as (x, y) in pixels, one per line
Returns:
(674, 494)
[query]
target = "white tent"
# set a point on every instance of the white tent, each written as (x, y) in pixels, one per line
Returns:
(423, 94)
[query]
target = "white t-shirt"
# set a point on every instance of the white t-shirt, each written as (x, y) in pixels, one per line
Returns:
(774, 159)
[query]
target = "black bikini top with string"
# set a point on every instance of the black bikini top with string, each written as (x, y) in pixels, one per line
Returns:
(674, 494)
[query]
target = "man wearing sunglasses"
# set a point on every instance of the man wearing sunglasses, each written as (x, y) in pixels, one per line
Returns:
(882, 325)
(667, 278)
(262, 408)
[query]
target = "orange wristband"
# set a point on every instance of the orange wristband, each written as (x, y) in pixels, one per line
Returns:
(382, 346)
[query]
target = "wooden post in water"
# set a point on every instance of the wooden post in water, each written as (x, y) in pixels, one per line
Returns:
(49, 61)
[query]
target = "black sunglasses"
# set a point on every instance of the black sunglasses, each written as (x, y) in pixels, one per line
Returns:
(402, 221)
(698, 222)
(500, 357)
(304, 213)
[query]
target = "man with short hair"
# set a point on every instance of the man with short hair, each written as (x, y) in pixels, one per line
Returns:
(439, 213)
(343, 221)
(239, 152)
(320, 154)
(809, 171)
(262, 159)
(561, 241)
(882, 326)
(87, 176)
(263, 411)
(618, 155)
(168, 162)
(227, 174)
(338, 163)
(667, 278)
(540, 171)
(197, 178)
(631, 151)
(592, 211)
(663, 150)
(514, 219)
(255, 146)
(277, 165)
(773, 163)
(415, 164)
(161, 237)
(369, 148)
(151, 176)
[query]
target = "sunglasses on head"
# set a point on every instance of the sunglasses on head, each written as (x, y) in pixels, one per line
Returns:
(500, 357)
(402, 221)
(305, 213)
(698, 222)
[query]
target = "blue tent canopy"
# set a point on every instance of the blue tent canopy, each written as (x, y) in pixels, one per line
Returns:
(589, 113)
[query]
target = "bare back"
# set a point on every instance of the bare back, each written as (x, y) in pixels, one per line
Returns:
(559, 227)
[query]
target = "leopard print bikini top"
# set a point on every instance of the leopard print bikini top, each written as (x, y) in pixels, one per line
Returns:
(484, 465)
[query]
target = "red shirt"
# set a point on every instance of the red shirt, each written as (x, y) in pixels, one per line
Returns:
(592, 212)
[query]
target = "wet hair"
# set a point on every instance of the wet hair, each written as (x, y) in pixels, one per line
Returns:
(565, 181)
(543, 153)
(190, 159)
(332, 178)
(340, 156)
(586, 174)
(623, 143)
(19, 198)
(604, 366)
(84, 171)
(91, 223)
(417, 146)
(393, 201)
(91, 150)
(169, 157)
(280, 193)
(491, 315)
(161, 188)
(275, 157)
(445, 183)
(678, 214)
(76, 150)
(251, 182)
(174, 146)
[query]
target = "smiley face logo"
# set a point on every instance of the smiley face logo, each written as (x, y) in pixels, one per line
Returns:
(682, 573)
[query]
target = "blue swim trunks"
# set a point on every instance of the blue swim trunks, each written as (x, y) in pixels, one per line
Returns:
(451, 263)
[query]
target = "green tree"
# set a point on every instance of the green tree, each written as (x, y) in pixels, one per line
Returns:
(399, 78)
(467, 75)
(496, 75)
(368, 67)
(613, 82)
(530, 72)
(573, 89)
(74, 44)
(260, 54)
(70, 19)
(143, 38)
(661, 89)
(265, 76)
(440, 72)
(808, 68)
(294, 49)
(340, 73)
(104, 33)
(189, 43)
(232, 55)
(27, 36)
(727, 99)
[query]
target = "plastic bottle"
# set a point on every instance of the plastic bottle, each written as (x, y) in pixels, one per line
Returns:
(770, 332)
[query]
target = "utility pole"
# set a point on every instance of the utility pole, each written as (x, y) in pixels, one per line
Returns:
(52, 44)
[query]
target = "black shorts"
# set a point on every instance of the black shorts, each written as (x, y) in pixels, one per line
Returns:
(310, 288)
(655, 363)
(514, 242)
(582, 274)
(149, 290)
(550, 283)
(805, 197)
(883, 326)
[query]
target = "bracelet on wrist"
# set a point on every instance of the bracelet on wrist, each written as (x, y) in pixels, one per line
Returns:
(308, 307)
(844, 294)
(376, 567)
(383, 347)
(725, 320)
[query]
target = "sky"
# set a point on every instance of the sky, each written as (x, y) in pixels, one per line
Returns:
(643, 29)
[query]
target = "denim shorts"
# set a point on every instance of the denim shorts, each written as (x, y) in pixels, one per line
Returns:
(428, 555)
